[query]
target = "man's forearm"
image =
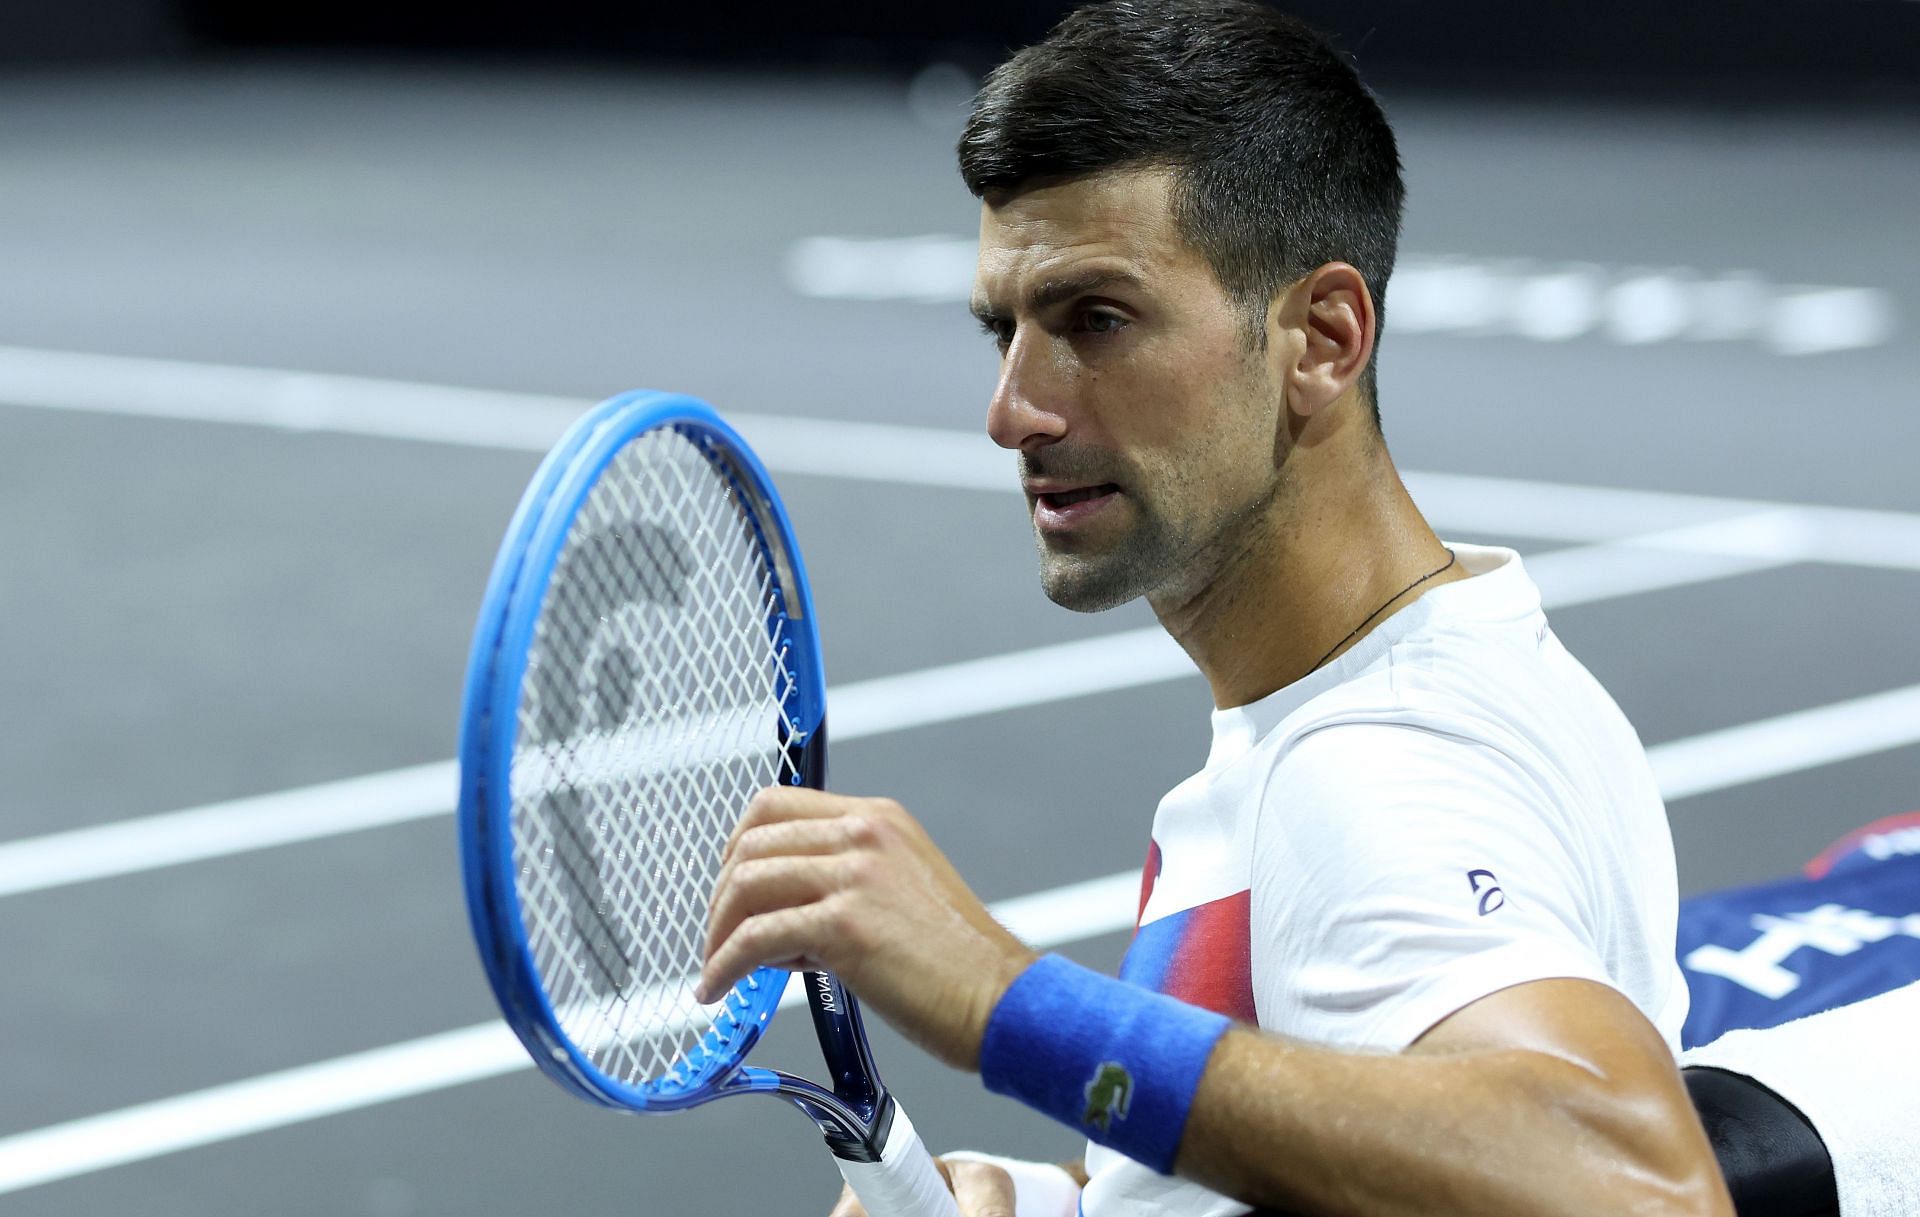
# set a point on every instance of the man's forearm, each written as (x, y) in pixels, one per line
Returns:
(1318, 1131)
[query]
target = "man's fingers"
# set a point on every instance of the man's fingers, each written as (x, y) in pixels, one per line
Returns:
(980, 1189)
(823, 835)
(762, 885)
(777, 804)
(777, 939)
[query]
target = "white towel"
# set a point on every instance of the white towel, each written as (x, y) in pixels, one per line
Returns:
(1855, 1073)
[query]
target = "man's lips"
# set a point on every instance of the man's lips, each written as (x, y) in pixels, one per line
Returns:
(1058, 507)
(1056, 495)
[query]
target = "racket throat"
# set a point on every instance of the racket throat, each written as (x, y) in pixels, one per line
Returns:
(852, 1137)
(857, 1088)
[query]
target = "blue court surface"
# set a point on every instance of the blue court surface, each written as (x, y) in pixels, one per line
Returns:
(282, 343)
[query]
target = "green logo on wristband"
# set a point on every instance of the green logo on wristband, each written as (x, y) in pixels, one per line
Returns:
(1108, 1095)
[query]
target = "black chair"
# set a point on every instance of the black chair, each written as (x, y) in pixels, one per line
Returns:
(1775, 1163)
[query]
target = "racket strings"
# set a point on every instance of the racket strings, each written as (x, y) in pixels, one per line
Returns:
(652, 708)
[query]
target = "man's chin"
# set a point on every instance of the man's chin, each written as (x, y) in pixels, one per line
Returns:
(1084, 586)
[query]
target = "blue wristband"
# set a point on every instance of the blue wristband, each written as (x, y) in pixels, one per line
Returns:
(1116, 1061)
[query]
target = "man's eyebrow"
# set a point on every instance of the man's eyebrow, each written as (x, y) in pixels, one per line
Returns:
(1054, 291)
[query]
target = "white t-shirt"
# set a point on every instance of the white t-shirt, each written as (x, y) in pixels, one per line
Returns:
(1452, 807)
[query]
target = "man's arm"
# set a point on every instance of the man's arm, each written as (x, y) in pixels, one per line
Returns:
(1550, 1097)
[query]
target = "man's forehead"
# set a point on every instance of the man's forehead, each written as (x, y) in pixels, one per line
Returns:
(1122, 219)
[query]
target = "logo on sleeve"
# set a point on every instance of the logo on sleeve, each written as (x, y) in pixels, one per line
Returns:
(1108, 1096)
(1488, 889)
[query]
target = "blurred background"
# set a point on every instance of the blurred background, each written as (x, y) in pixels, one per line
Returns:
(293, 296)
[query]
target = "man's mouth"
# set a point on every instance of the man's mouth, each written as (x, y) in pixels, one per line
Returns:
(1067, 498)
(1062, 510)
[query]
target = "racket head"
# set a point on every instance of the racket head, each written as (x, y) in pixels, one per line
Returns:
(582, 999)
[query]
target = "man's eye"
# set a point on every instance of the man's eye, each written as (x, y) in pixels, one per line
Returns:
(1101, 322)
(1000, 331)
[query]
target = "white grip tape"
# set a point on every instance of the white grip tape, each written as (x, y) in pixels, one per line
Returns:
(905, 1182)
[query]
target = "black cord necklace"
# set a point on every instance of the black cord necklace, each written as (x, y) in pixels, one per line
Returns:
(1440, 570)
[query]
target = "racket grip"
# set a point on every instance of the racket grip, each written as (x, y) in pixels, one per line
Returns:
(905, 1182)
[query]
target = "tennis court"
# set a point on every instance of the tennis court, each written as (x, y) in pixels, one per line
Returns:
(284, 341)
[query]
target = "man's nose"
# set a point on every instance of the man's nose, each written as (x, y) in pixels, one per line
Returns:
(1025, 411)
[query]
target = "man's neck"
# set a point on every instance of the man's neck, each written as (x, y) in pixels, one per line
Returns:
(1296, 591)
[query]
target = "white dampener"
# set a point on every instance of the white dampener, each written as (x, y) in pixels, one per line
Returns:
(905, 1182)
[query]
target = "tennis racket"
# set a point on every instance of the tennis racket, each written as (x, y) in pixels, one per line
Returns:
(646, 659)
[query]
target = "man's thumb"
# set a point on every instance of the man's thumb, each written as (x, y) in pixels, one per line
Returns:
(981, 1189)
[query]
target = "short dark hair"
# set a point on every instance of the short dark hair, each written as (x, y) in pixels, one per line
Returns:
(1282, 159)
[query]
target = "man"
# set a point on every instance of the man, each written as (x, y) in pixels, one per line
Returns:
(1419, 905)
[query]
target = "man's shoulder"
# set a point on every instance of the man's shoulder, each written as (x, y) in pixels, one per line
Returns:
(1368, 778)
(1374, 731)
(1518, 709)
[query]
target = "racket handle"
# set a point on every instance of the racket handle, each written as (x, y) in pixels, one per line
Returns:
(905, 1182)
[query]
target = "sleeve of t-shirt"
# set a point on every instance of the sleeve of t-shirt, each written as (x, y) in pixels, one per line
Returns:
(1400, 874)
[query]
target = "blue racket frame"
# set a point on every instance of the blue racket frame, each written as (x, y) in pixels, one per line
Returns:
(853, 1115)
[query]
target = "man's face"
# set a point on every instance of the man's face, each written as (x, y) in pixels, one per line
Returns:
(1148, 422)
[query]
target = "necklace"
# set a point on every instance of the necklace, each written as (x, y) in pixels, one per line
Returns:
(1438, 570)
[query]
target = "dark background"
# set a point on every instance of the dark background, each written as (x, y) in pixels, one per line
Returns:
(1766, 52)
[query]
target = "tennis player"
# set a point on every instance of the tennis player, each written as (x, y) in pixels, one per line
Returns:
(1406, 940)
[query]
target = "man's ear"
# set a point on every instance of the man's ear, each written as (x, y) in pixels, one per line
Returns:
(1331, 318)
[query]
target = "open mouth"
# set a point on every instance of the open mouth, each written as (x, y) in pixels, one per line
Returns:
(1068, 498)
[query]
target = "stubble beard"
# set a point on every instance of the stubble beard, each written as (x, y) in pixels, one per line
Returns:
(1165, 555)
(1093, 582)
(1168, 565)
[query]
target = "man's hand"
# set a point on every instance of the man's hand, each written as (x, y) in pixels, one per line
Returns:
(855, 886)
(979, 1188)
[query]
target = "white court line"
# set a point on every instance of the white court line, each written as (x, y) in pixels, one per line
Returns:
(477, 418)
(1639, 541)
(1047, 919)
(879, 452)
(1846, 536)
(1450, 294)
(1130, 659)
(419, 1066)
(1789, 743)
(272, 1100)
(126, 847)
(1674, 557)
(858, 711)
